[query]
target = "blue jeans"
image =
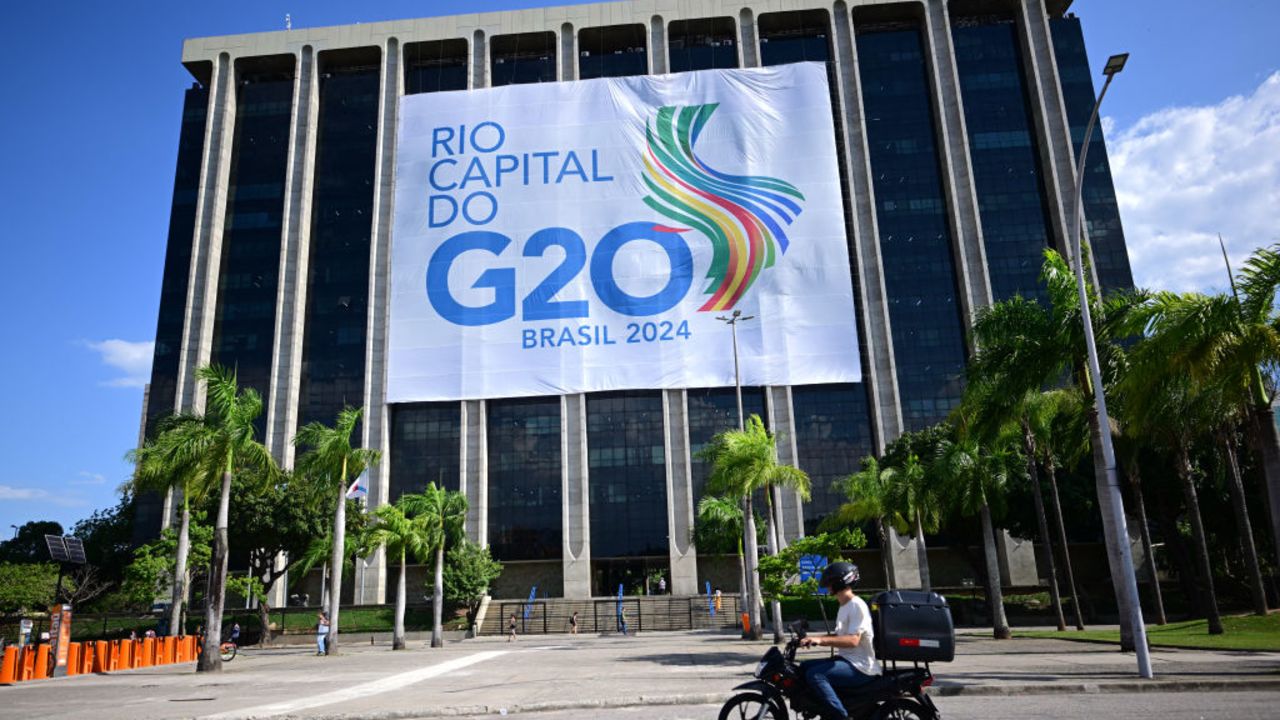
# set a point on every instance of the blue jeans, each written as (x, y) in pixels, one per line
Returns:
(824, 676)
(320, 638)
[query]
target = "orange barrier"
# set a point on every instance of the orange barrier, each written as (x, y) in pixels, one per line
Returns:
(42, 663)
(746, 623)
(9, 666)
(73, 658)
(148, 651)
(86, 658)
(27, 663)
(100, 656)
(124, 658)
(170, 650)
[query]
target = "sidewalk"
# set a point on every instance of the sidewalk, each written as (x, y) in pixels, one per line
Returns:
(488, 675)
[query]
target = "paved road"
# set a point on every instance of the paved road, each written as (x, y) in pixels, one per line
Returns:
(1137, 706)
(483, 676)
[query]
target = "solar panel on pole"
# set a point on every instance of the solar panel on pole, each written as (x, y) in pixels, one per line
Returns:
(75, 550)
(57, 548)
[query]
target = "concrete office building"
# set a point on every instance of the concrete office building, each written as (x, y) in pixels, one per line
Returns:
(957, 124)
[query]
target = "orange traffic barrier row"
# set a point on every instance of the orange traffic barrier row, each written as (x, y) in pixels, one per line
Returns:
(101, 656)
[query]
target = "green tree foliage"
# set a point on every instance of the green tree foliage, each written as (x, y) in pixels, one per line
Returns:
(469, 571)
(780, 573)
(27, 545)
(442, 513)
(405, 538)
(27, 587)
(147, 577)
(108, 540)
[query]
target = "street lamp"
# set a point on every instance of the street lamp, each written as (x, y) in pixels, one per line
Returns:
(749, 591)
(733, 321)
(1110, 499)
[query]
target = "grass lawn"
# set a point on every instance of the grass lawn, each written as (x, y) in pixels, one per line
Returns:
(1243, 632)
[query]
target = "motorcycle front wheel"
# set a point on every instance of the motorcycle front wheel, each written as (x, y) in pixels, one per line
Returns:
(903, 709)
(750, 706)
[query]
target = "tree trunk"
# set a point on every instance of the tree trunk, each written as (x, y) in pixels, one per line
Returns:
(772, 537)
(1245, 528)
(397, 637)
(1268, 443)
(1062, 543)
(216, 595)
(180, 569)
(264, 620)
(999, 623)
(1124, 603)
(1043, 522)
(753, 568)
(1208, 595)
(743, 585)
(437, 599)
(335, 561)
(886, 552)
(922, 554)
(1140, 506)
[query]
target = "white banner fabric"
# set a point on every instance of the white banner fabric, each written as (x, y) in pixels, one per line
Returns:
(585, 236)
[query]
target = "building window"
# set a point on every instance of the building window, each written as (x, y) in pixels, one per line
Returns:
(911, 213)
(789, 37)
(833, 434)
(519, 59)
(703, 44)
(435, 66)
(614, 51)
(627, 471)
(244, 322)
(333, 347)
(523, 438)
(712, 411)
(425, 447)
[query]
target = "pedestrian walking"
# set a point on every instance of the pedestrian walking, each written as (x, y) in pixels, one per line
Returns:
(719, 601)
(662, 585)
(511, 628)
(622, 621)
(573, 623)
(322, 633)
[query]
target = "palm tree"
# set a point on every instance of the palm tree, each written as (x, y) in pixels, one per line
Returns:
(224, 443)
(1164, 407)
(975, 477)
(718, 531)
(162, 465)
(403, 536)
(742, 462)
(868, 491)
(442, 514)
(329, 460)
(914, 495)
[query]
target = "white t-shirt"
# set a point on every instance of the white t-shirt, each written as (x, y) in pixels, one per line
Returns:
(854, 618)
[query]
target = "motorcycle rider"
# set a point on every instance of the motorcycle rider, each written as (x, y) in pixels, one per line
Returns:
(854, 664)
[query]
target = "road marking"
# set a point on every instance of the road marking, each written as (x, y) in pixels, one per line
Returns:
(383, 685)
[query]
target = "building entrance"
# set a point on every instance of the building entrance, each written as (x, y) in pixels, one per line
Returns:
(637, 576)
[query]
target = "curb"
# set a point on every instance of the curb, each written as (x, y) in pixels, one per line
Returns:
(1073, 688)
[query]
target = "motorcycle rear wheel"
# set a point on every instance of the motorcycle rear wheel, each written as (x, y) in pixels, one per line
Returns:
(750, 706)
(903, 709)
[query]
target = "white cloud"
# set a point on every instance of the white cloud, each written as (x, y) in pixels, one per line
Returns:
(8, 492)
(90, 478)
(132, 359)
(1183, 175)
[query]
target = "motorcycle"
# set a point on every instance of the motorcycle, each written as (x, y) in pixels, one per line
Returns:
(780, 689)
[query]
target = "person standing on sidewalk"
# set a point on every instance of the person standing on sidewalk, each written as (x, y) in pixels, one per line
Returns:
(322, 633)
(511, 628)
(573, 623)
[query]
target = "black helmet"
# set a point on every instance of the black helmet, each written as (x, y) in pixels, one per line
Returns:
(839, 575)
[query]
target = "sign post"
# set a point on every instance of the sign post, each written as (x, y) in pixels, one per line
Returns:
(60, 638)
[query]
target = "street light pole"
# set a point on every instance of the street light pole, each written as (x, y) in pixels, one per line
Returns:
(750, 593)
(1110, 499)
(733, 321)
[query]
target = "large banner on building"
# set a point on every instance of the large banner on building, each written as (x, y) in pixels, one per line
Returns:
(583, 236)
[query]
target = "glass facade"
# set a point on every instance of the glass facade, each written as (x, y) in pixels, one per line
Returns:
(614, 51)
(244, 322)
(789, 37)
(524, 478)
(915, 239)
(703, 44)
(627, 471)
(435, 66)
(832, 436)
(712, 411)
(149, 506)
(1102, 213)
(425, 446)
(333, 349)
(518, 59)
(1006, 160)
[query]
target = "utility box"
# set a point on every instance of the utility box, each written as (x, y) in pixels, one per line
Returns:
(913, 626)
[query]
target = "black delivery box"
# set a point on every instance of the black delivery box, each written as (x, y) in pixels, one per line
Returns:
(913, 626)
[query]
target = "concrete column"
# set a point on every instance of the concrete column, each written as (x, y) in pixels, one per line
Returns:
(657, 46)
(748, 41)
(904, 560)
(680, 511)
(874, 332)
(575, 497)
(782, 423)
(1017, 560)
(474, 470)
(568, 65)
(479, 76)
(957, 170)
(1049, 110)
(377, 416)
(206, 254)
(295, 246)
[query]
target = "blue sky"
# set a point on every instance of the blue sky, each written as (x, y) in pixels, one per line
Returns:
(93, 93)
